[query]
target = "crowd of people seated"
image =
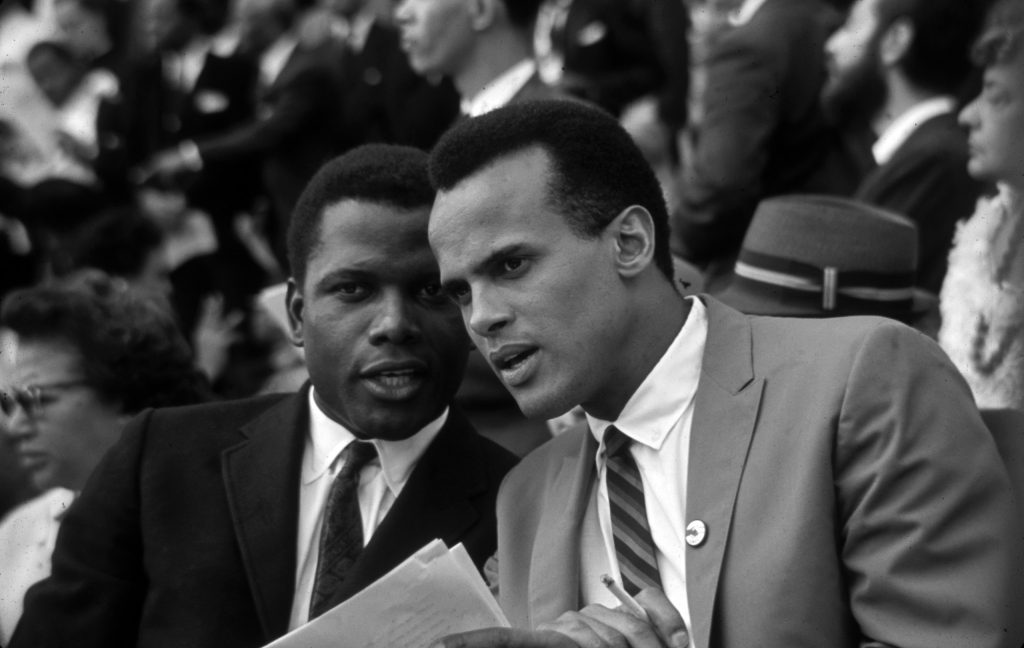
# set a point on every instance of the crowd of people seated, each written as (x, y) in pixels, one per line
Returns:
(762, 256)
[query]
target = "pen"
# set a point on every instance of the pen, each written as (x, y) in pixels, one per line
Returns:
(627, 601)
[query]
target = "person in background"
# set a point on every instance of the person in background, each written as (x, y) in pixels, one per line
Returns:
(753, 481)
(231, 523)
(759, 130)
(982, 298)
(80, 358)
(896, 70)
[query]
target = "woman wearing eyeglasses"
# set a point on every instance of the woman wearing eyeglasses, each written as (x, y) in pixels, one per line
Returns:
(77, 360)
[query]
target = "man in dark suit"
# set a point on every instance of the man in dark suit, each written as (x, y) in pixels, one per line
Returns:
(760, 130)
(208, 526)
(292, 131)
(485, 47)
(897, 68)
(768, 481)
(383, 99)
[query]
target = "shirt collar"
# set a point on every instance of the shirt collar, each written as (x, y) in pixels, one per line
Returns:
(274, 59)
(500, 90)
(661, 399)
(328, 438)
(743, 14)
(901, 128)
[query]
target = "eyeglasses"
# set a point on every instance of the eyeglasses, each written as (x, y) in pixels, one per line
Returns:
(32, 398)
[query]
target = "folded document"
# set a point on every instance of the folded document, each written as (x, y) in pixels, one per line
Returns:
(435, 592)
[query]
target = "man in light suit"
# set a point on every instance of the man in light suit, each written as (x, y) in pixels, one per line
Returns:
(205, 526)
(794, 482)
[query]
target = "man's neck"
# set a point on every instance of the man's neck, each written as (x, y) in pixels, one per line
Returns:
(902, 96)
(498, 52)
(655, 324)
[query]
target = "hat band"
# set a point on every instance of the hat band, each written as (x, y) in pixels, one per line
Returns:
(892, 289)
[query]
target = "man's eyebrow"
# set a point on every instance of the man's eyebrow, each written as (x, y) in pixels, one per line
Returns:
(339, 274)
(484, 264)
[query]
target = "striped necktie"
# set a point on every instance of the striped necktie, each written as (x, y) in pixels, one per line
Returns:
(638, 563)
(341, 537)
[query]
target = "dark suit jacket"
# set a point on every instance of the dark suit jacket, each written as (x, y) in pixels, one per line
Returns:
(762, 133)
(384, 100)
(186, 533)
(851, 496)
(621, 50)
(927, 181)
(293, 131)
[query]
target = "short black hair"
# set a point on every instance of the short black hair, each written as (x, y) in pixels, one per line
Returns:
(522, 13)
(597, 169)
(939, 58)
(1002, 35)
(131, 351)
(378, 173)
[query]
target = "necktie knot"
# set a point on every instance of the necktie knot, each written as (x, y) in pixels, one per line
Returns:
(356, 456)
(615, 442)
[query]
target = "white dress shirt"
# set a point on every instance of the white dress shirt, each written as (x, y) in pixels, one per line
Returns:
(27, 537)
(500, 90)
(901, 128)
(380, 482)
(658, 418)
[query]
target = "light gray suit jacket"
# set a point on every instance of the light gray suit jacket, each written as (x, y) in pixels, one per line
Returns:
(851, 493)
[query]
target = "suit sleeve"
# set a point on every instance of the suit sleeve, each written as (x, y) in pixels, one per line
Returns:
(297, 103)
(725, 156)
(95, 594)
(930, 533)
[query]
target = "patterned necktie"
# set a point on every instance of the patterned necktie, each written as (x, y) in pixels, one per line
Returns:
(638, 563)
(341, 537)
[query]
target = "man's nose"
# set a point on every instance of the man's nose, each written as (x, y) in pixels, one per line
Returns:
(488, 314)
(396, 321)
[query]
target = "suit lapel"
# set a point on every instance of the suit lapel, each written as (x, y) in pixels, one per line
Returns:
(554, 578)
(434, 503)
(261, 476)
(725, 410)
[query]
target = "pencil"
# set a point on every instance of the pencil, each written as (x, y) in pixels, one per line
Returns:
(627, 601)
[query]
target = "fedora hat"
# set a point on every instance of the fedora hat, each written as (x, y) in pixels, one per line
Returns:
(821, 256)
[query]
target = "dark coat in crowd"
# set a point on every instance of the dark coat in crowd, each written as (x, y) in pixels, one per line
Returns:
(186, 534)
(926, 180)
(386, 101)
(762, 132)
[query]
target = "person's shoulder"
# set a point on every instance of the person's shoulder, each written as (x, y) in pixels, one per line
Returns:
(205, 418)
(546, 460)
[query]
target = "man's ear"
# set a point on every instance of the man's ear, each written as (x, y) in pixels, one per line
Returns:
(294, 302)
(632, 233)
(895, 42)
(482, 13)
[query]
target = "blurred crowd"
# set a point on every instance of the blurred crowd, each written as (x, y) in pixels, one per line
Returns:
(818, 158)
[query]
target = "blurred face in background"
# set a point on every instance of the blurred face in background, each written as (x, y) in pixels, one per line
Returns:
(163, 26)
(437, 35)
(995, 120)
(82, 29)
(259, 24)
(855, 87)
(58, 425)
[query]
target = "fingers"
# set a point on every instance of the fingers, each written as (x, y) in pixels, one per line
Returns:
(586, 632)
(665, 618)
(620, 628)
(506, 638)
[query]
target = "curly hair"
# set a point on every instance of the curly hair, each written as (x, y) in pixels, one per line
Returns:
(130, 349)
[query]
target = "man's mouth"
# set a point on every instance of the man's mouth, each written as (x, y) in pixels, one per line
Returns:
(395, 381)
(515, 363)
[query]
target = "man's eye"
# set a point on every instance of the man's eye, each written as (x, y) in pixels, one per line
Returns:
(432, 290)
(511, 264)
(459, 294)
(350, 289)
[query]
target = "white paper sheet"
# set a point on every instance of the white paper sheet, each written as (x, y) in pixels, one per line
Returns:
(435, 592)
